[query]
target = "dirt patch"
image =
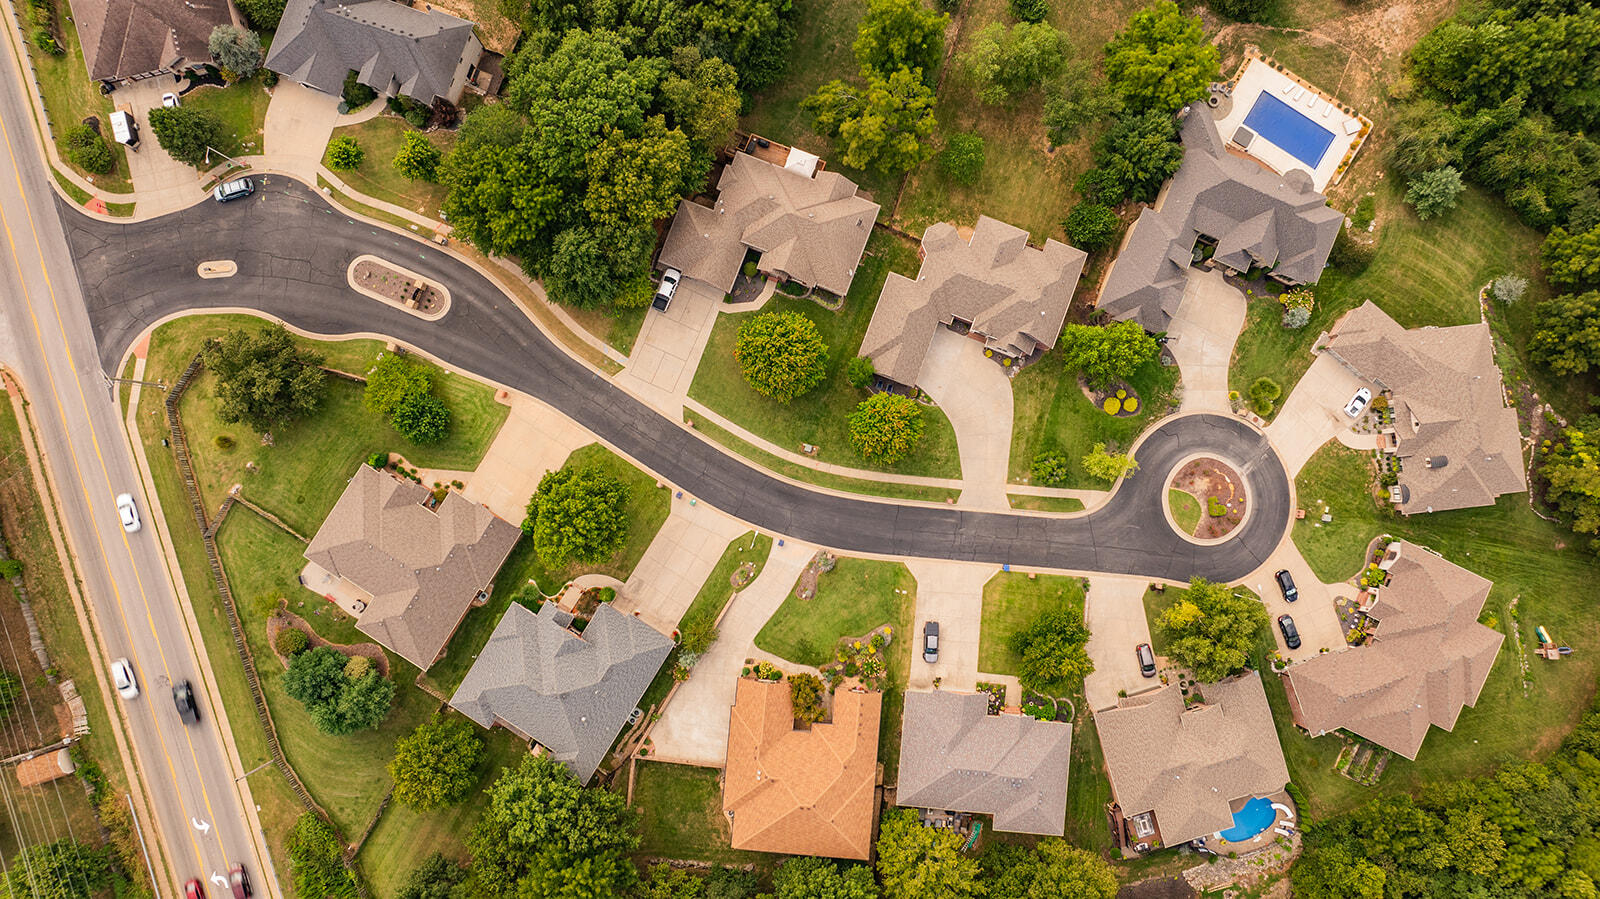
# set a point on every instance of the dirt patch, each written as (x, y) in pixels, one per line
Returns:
(283, 618)
(1220, 491)
(397, 288)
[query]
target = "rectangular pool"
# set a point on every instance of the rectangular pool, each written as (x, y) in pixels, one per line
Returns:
(1286, 127)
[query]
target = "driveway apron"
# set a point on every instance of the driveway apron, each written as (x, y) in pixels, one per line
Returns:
(975, 394)
(668, 349)
(164, 184)
(299, 122)
(1201, 338)
(950, 593)
(680, 558)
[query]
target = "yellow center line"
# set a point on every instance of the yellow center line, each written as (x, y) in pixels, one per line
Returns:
(78, 471)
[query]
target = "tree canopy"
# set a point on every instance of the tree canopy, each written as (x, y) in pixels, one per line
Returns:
(1054, 868)
(916, 861)
(1106, 354)
(1434, 193)
(1091, 226)
(436, 878)
(579, 513)
(64, 869)
(819, 878)
(1108, 466)
(884, 126)
(1052, 651)
(1162, 61)
(1132, 159)
(263, 378)
(1005, 62)
(185, 132)
(436, 764)
(1211, 629)
(886, 427)
(781, 354)
(337, 703)
(235, 49)
(1566, 333)
(900, 34)
(316, 860)
(1573, 260)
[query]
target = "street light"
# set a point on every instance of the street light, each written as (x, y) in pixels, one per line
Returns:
(210, 150)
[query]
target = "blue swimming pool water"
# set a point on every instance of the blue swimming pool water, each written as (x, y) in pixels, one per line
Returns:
(1288, 128)
(1256, 816)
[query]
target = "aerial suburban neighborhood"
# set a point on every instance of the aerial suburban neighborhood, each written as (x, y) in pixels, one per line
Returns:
(800, 449)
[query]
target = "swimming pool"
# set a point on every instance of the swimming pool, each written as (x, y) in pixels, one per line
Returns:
(1288, 128)
(1256, 816)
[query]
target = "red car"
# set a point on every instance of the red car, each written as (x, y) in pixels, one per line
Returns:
(240, 881)
(194, 890)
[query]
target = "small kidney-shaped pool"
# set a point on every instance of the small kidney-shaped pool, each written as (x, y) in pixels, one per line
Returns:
(1256, 816)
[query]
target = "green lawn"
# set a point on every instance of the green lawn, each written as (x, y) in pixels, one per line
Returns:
(1052, 415)
(680, 816)
(376, 177)
(718, 588)
(1088, 787)
(70, 97)
(821, 417)
(1185, 509)
(1011, 601)
(1061, 504)
(618, 327)
(241, 108)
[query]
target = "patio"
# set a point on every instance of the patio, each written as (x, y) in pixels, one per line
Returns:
(1257, 77)
(347, 596)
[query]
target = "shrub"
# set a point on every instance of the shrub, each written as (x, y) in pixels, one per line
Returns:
(750, 269)
(344, 153)
(1030, 10)
(1366, 210)
(1434, 193)
(223, 442)
(1264, 394)
(291, 641)
(1352, 254)
(1215, 507)
(805, 696)
(358, 667)
(1298, 298)
(1112, 405)
(378, 460)
(10, 568)
(1297, 318)
(962, 158)
(1051, 469)
(1091, 226)
(1131, 404)
(1508, 289)
(87, 150)
(44, 40)
(860, 372)
(768, 671)
(356, 94)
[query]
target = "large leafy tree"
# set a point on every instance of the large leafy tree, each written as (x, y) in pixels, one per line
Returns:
(781, 354)
(316, 860)
(1434, 193)
(819, 878)
(264, 378)
(1052, 869)
(1162, 61)
(235, 49)
(667, 882)
(900, 34)
(592, 265)
(1051, 648)
(436, 764)
(886, 427)
(394, 380)
(1091, 226)
(436, 878)
(579, 513)
(417, 158)
(1005, 62)
(64, 869)
(1570, 467)
(422, 419)
(702, 94)
(1075, 99)
(884, 126)
(1133, 158)
(1105, 354)
(1566, 333)
(1211, 629)
(337, 703)
(1573, 260)
(634, 181)
(185, 132)
(1337, 874)
(916, 861)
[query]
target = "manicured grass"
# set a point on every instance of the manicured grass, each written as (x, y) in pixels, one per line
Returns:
(680, 816)
(618, 327)
(1045, 503)
(372, 212)
(376, 177)
(1052, 415)
(1185, 509)
(1011, 602)
(773, 463)
(241, 107)
(718, 589)
(121, 210)
(821, 417)
(1088, 787)
(78, 194)
(70, 97)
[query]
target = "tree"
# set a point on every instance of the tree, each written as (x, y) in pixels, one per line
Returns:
(1052, 869)
(1091, 226)
(916, 861)
(1508, 288)
(436, 764)
(393, 381)
(1030, 10)
(1052, 653)
(291, 641)
(1106, 354)
(1570, 467)
(1245, 10)
(1108, 466)
(667, 882)
(64, 869)
(730, 883)
(819, 878)
(264, 379)
(633, 181)
(1264, 393)
(422, 419)
(900, 34)
(435, 878)
(1573, 260)
(859, 372)
(883, 127)
(1005, 62)
(344, 153)
(805, 695)
(1434, 193)
(1211, 630)
(1162, 61)
(185, 132)
(702, 93)
(1336, 873)
(1132, 159)
(418, 158)
(337, 704)
(236, 50)
(962, 159)
(1076, 99)
(316, 860)
(88, 151)
(886, 427)
(579, 513)
(263, 14)
(587, 263)
(1566, 333)
(781, 354)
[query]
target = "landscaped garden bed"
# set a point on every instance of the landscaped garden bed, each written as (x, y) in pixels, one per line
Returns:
(1218, 491)
(1119, 400)
(997, 696)
(403, 288)
(283, 620)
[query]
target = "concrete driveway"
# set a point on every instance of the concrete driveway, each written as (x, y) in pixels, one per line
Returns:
(534, 439)
(1314, 412)
(1201, 338)
(164, 184)
(677, 563)
(694, 728)
(299, 122)
(1113, 610)
(1314, 614)
(950, 593)
(975, 394)
(669, 347)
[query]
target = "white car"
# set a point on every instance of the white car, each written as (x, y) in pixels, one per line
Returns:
(1358, 403)
(128, 512)
(666, 289)
(122, 676)
(169, 100)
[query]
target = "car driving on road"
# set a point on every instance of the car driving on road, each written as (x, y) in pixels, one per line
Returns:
(1286, 585)
(1291, 636)
(930, 642)
(128, 512)
(194, 890)
(239, 880)
(122, 676)
(1358, 403)
(183, 698)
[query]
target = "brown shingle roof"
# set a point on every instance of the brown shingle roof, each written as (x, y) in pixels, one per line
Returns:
(423, 567)
(1013, 294)
(123, 38)
(801, 792)
(1189, 766)
(1458, 441)
(1428, 657)
(810, 230)
(44, 768)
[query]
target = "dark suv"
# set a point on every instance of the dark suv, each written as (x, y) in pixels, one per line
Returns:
(930, 642)
(183, 698)
(1291, 636)
(1286, 584)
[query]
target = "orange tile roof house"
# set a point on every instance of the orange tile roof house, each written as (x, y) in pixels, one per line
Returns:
(423, 564)
(1458, 442)
(993, 286)
(1427, 657)
(802, 792)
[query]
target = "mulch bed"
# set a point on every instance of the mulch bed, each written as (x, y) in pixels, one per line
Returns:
(395, 287)
(1099, 397)
(283, 618)
(1207, 479)
(806, 587)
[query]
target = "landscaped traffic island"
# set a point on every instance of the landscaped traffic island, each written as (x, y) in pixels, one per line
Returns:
(1206, 499)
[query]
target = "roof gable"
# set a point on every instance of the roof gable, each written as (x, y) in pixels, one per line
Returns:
(392, 47)
(123, 38)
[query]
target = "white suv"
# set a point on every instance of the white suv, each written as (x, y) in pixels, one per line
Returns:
(667, 287)
(128, 512)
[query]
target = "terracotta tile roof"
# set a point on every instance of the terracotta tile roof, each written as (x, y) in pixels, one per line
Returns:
(423, 567)
(1427, 658)
(1013, 294)
(1189, 766)
(1458, 441)
(802, 792)
(955, 755)
(123, 38)
(808, 229)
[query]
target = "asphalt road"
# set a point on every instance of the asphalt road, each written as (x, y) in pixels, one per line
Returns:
(293, 249)
(45, 338)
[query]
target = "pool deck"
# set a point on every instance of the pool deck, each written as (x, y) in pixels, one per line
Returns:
(1286, 816)
(1257, 76)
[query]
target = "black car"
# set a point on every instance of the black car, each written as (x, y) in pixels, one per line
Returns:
(930, 642)
(1147, 659)
(1291, 636)
(183, 698)
(1286, 584)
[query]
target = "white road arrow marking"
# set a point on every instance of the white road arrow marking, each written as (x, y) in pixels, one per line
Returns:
(202, 826)
(219, 880)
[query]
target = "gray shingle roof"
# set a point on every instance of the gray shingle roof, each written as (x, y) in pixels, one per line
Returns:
(123, 38)
(572, 693)
(954, 755)
(423, 567)
(1256, 216)
(393, 47)
(1013, 294)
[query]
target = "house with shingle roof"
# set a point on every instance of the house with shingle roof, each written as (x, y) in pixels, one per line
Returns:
(993, 286)
(1179, 773)
(1457, 440)
(569, 691)
(126, 39)
(417, 563)
(809, 226)
(1249, 215)
(956, 756)
(802, 792)
(1427, 657)
(395, 49)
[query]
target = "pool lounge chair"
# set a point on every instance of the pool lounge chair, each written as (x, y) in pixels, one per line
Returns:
(1351, 126)
(1314, 104)
(1288, 89)
(1298, 93)
(1327, 110)
(1283, 832)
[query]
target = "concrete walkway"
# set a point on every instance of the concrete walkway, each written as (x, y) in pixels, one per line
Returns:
(950, 593)
(975, 394)
(1201, 337)
(299, 122)
(677, 563)
(1113, 610)
(1314, 413)
(694, 728)
(668, 349)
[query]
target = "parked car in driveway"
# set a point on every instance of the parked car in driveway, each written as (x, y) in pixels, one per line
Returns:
(1286, 585)
(1291, 636)
(128, 512)
(122, 676)
(234, 190)
(169, 100)
(930, 642)
(1358, 403)
(666, 289)
(1147, 659)
(183, 698)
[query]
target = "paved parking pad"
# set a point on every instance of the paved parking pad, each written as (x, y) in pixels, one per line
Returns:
(669, 347)
(1314, 412)
(1314, 614)
(950, 593)
(1113, 610)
